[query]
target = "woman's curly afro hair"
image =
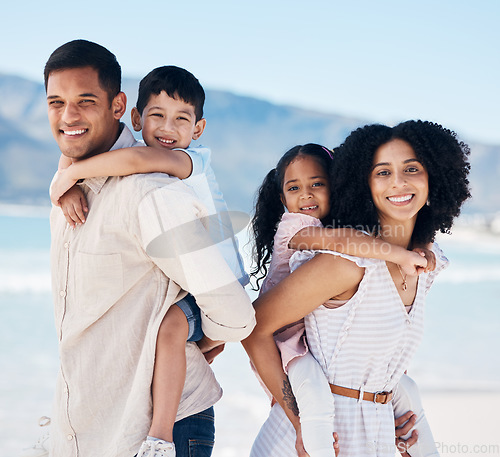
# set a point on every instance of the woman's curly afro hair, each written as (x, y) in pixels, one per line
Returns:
(443, 156)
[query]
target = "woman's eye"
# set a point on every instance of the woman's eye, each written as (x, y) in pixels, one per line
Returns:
(412, 169)
(383, 173)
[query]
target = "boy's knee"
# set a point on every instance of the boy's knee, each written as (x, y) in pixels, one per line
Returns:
(173, 325)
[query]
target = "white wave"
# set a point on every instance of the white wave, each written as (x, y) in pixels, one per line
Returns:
(25, 283)
(471, 274)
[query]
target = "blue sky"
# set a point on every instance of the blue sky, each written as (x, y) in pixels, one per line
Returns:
(382, 61)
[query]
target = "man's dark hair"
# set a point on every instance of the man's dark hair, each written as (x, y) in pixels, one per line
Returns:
(177, 83)
(82, 53)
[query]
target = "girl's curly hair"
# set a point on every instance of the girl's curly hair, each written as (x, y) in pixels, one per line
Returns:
(269, 205)
(443, 156)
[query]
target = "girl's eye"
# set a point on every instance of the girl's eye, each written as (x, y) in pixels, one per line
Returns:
(292, 188)
(318, 184)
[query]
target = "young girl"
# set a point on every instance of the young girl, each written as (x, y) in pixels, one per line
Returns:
(300, 183)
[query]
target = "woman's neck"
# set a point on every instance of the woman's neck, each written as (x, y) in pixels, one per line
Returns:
(399, 233)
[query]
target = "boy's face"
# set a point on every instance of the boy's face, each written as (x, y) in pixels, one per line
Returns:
(83, 121)
(167, 122)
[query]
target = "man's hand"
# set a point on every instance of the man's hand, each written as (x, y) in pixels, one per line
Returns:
(210, 348)
(403, 425)
(74, 206)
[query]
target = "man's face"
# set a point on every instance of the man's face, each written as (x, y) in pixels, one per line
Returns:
(83, 121)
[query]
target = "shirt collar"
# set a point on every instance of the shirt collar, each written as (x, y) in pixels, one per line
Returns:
(125, 140)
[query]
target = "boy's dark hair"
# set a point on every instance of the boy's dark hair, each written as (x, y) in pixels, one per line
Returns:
(269, 206)
(83, 53)
(443, 156)
(177, 83)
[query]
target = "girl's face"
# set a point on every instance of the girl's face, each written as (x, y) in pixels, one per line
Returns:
(399, 183)
(305, 187)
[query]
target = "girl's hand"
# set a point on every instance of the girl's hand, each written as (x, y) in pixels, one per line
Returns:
(60, 185)
(429, 256)
(412, 263)
(74, 206)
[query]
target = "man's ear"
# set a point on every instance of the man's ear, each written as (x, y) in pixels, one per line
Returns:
(136, 119)
(199, 127)
(119, 105)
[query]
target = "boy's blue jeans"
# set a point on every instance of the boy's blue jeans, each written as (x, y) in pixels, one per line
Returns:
(194, 435)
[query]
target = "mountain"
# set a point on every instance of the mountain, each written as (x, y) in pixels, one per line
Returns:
(247, 136)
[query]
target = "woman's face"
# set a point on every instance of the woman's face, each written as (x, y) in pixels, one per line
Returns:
(399, 183)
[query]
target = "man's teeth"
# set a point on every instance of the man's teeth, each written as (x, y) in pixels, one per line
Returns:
(74, 132)
(404, 198)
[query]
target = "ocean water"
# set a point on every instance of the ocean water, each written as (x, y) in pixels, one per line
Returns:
(460, 348)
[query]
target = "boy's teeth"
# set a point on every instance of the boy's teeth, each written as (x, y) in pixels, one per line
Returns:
(166, 141)
(404, 198)
(74, 132)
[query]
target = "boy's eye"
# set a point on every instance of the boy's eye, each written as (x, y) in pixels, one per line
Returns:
(181, 118)
(157, 114)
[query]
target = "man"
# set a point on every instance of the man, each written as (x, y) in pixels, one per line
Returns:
(110, 294)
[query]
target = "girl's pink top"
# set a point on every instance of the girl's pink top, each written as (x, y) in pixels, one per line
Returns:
(290, 339)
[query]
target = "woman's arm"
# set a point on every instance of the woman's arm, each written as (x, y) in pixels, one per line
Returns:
(356, 243)
(308, 287)
(123, 162)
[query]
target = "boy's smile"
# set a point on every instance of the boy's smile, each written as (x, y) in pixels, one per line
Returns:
(168, 122)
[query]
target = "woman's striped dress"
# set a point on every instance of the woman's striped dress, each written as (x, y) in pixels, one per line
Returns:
(365, 344)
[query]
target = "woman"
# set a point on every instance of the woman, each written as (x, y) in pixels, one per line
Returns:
(402, 184)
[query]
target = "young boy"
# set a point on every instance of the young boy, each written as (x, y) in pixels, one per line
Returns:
(169, 112)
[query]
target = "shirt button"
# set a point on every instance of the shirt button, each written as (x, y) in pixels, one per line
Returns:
(66, 245)
(70, 437)
(62, 293)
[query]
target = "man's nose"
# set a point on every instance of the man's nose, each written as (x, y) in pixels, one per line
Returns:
(70, 114)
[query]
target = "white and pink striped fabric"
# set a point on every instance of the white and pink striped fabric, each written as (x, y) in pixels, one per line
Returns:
(366, 344)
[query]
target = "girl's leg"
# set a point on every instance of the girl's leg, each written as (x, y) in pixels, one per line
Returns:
(315, 402)
(407, 398)
(169, 372)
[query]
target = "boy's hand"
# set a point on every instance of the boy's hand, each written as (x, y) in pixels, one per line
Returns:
(74, 206)
(60, 185)
(429, 256)
(411, 262)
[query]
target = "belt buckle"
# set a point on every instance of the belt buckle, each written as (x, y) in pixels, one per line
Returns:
(381, 392)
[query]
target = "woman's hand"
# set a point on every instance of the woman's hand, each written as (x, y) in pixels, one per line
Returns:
(403, 425)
